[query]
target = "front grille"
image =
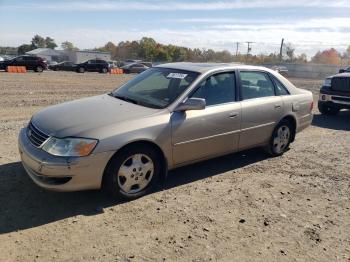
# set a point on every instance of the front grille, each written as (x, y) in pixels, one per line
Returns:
(341, 84)
(35, 136)
(339, 98)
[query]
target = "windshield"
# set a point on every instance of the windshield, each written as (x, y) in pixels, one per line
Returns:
(156, 87)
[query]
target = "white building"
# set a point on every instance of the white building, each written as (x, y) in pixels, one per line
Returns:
(49, 54)
(65, 55)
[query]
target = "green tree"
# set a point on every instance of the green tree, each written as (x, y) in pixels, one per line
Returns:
(50, 43)
(148, 48)
(38, 41)
(22, 49)
(68, 46)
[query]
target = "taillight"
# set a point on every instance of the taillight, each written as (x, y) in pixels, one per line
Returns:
(312, 105)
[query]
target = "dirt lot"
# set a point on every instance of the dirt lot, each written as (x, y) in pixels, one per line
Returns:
(241, 207)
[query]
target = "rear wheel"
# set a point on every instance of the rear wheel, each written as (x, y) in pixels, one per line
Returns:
(81, 70)
(327, 110)
(133, 172)
(280, 139)
(39, 69)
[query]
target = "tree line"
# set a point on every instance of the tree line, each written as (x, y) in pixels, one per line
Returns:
(148, 49)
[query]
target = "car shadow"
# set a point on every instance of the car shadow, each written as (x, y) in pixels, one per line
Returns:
(24, 205)
(341, 121)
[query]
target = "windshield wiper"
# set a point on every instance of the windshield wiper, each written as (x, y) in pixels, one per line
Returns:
(124, 98)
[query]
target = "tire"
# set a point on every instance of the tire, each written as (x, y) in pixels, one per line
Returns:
(81, 70)
(281, 138)
(132, 172)
(39, 69)
(104, 70)
(326, 110)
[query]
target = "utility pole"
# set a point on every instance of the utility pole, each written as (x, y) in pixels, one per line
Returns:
(237, 46)
(249, 49)
(281, 50)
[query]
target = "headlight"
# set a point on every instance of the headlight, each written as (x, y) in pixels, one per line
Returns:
(327, 82)
(69, 146)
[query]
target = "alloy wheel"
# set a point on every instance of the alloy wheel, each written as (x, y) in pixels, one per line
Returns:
(135, 173)
(281, 139)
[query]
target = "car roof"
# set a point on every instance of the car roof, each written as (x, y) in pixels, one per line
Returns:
(205, 67)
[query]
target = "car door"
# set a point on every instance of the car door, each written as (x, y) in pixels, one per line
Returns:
(133, 68)
(261, 108)
(19, 61)
(212, 131)
(30, 62)
(99, 64)
(64, 66)
(90, 66)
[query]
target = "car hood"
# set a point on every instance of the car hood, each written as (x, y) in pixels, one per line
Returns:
(80, 117)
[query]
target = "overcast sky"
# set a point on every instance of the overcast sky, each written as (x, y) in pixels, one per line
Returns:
(310, 25)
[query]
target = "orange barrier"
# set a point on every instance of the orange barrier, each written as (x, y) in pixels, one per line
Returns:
(116, 71)
(16, 69)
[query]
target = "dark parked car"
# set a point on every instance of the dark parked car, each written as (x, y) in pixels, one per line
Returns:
(63, 66)
(335, 94)
(94, 65)
(344, 70)
(35, 63)
(134, 68)
(281, 69)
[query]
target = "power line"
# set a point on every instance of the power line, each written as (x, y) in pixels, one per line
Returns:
(237, 47)
(281, 49)
(248, 49)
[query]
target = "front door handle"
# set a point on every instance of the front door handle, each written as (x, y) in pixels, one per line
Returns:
(278, 106)
(233, 115)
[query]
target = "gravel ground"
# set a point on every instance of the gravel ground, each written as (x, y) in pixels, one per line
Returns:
(241, 207)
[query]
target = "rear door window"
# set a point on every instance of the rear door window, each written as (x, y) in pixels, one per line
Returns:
(256, 84)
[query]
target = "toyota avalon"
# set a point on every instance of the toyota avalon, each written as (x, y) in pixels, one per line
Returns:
(168, 116)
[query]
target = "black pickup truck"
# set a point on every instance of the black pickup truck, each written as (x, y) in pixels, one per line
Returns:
(335, 93)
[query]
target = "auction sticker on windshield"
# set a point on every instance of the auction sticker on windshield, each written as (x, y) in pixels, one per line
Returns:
(177, 75)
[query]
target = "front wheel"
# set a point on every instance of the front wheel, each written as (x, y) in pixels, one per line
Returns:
(104, 70)
(133, 172)
(81, 70)
(280, 139)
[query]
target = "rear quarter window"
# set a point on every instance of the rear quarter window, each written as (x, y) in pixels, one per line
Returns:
(281, 90)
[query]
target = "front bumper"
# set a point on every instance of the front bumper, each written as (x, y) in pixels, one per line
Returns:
(334, 101)
(62, 173)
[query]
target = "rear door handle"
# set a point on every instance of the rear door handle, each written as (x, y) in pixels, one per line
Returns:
(233, 115)
(278, 106)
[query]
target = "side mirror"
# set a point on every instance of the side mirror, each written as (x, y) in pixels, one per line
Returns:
(341, 71)
(191, 104)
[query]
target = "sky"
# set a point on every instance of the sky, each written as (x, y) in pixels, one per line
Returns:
(310, 25)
